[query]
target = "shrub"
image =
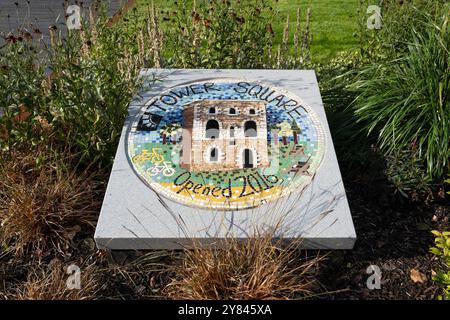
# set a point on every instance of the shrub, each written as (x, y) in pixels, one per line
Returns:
(406, 173)
(79, 86)
(334, 78)
(219, 34)
(222, 34)
(442, 250)
(406, 100)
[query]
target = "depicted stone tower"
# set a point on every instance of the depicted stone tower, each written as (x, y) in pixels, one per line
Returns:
(220, 135)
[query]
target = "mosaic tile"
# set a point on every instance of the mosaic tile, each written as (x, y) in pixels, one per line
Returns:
(174, 158)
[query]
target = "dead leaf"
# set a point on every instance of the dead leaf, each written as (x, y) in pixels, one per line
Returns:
(417, 276)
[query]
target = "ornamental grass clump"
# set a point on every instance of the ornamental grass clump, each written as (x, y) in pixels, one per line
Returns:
(44, 203)
(50, 282)
(406, 101)
(261, 267)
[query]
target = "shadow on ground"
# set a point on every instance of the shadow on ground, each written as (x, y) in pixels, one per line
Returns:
(393, 233)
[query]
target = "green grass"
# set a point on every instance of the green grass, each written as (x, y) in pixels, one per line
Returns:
(333, 22)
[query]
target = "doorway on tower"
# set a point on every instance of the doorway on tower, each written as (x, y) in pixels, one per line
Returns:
(248, 158)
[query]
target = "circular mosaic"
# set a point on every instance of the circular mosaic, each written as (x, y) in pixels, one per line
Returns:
(226, 144)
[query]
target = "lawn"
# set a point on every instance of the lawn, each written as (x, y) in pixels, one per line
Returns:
(333, 22)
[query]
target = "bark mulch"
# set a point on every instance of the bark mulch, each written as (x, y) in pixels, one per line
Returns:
(393, 233)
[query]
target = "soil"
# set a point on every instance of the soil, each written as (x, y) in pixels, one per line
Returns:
(393, 233)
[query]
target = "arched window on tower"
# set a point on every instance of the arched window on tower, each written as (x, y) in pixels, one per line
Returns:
(250, 129)
(252, 111)
(232, 111)
(212, 110)
(212, 129)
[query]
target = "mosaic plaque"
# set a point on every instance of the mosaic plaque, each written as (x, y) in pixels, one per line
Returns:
(214, 154)
(225, 144)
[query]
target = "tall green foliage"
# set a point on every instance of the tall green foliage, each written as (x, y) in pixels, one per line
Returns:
(398, 18)
(220, 33)
(224, 34)
(21, 76)
(406, 101)
(72, 92)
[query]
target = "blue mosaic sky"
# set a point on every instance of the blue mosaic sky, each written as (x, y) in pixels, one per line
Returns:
(174, 114)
